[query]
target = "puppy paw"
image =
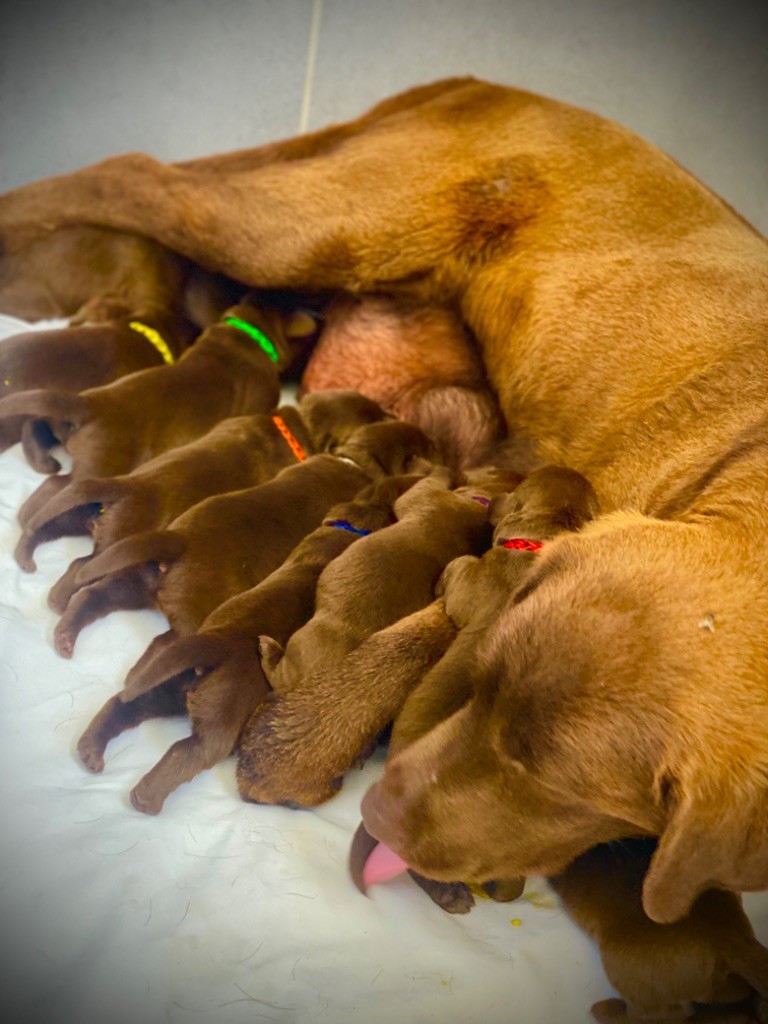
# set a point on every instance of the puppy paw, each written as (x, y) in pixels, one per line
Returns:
(452, 897)
(505, 890)
(91, 754)
(63, 642)
(145, 801)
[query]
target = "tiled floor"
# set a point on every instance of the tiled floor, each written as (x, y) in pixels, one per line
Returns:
(84, 79)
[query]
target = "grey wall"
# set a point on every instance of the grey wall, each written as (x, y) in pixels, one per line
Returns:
(80, 79)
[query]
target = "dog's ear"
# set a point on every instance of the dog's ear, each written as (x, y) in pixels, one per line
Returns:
(714, 839)
(300, 324)
(500, 507)
(270, 653)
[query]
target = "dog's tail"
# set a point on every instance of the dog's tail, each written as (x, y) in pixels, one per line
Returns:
(68, 513)
(155, 549)
(200, 652)
(42, 418)
(64, 411)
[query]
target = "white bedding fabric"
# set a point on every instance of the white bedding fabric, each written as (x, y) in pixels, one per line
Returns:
(217, 910)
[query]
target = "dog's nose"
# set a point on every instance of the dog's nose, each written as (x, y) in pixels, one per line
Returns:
(382, 815)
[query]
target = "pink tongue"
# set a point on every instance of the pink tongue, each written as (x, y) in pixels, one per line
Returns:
(381, 865)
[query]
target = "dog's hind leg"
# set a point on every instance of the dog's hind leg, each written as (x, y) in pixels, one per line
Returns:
(219, 707)
(119, 592)
(47, 489)
(115, 717)
(66, 585)
(253, 225)
(75, 522)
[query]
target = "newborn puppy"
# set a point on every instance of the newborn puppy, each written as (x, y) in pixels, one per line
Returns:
(237, 453)
(291, 750)
(216, 671)
(76, 358)
(241, 451)
(416, 361)
(711, 956)
(111, 429)
(549, 501)
(230, 542)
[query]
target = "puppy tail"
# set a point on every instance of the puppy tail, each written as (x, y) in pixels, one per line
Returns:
(200, 652)
(155, 549)
(73, 508)
(64, 411)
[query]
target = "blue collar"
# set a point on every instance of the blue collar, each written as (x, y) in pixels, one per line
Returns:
(343, 524)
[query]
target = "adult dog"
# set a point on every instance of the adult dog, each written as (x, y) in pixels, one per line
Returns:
(621, 310)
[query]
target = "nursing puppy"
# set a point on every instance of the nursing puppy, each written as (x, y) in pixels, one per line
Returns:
(416, 361)
(237, 453)
(241, 451)
(290, 752)
(87, 356)
(472, 592)
(216, 672)
(111, 429)
(86, 273)
(230, 542)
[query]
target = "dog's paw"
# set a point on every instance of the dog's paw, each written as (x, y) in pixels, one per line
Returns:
(504, 890)
(145, 801)
(452, 897)
(63, 642)
(91, 754)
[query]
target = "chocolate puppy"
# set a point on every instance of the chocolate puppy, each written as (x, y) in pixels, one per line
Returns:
(216, 671)
(229, 543)
(288, 753)
(710, 956)
(87, 356)
(241, 451)
(473, 591)
(111, 429)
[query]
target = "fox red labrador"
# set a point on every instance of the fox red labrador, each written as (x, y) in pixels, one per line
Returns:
(621, 311)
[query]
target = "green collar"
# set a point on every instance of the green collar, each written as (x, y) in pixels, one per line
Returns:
(258, 336)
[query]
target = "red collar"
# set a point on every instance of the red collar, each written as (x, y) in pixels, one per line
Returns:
(521, 544)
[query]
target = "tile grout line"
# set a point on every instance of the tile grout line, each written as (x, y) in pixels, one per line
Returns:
(309, 77)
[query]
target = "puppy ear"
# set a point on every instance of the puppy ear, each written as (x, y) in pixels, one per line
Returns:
(717, 840)
(500, 507)
(299, 324)
(270, 653)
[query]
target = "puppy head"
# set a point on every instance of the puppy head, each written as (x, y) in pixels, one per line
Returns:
(288, 332)
(373, 507)
(391, 448)
(331, 416)
(603, 709)
(548, 501)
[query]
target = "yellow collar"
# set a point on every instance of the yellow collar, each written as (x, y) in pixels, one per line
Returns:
(154, 338)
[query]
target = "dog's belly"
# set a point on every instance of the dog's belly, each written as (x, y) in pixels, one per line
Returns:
(628, 367)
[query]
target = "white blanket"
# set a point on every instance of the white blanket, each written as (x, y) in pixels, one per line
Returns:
(217, 910)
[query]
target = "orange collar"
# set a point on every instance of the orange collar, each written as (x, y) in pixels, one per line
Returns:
(292, 442)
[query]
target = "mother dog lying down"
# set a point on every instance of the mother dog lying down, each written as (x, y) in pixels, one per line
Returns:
(621, 310)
